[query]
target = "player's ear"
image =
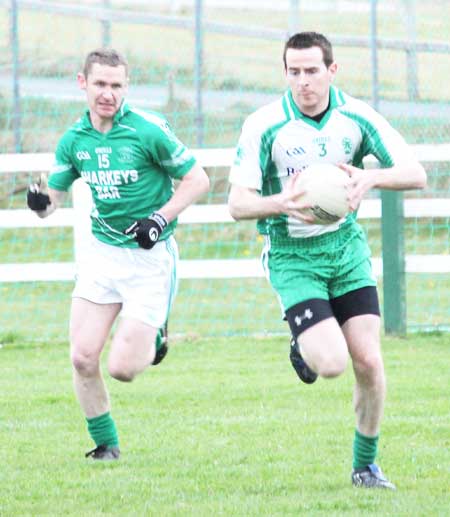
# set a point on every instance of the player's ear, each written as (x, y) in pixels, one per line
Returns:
(332, 70)
(81, 80)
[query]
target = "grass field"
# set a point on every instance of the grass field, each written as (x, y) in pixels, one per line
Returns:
(223, 427)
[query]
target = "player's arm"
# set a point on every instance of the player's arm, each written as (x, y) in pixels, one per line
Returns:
(399, 169)
(247, 203)
(245, 200)
(405, 175)
(43, 200)
(192, 185)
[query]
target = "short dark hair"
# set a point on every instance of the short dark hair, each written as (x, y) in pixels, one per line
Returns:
(308, 40)
(104, 56)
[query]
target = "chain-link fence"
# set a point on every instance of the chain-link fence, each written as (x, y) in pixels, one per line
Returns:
(206, 65)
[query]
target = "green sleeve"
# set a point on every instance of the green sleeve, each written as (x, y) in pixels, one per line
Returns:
(168, 151)
(63, 172)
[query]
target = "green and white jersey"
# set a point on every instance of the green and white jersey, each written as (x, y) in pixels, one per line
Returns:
(278, 141)
(130, 170)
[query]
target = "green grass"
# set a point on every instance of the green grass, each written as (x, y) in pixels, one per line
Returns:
(223, 427)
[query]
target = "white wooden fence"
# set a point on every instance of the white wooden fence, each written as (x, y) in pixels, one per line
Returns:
(78, 218)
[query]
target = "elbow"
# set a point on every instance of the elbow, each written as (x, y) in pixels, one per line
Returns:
(233, 207)
(234, 210)
(240, 203)
(206, 185)
(421, 181)
(202, 185)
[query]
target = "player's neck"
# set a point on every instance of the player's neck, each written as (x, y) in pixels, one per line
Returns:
(102, 125)
(317, 116)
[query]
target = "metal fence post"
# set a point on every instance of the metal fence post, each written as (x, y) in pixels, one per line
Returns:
(293, 14)
(411, 54)
(198, 71)
(17, 110)
(394, 286)
(106, 26)
(394, 290)
(374, 54)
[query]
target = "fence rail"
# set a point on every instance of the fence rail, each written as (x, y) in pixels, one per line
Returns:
(78, 218)
(199, 25)
(104, 14)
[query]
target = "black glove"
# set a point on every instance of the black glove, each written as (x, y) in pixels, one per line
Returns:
(37, 197)
(148, 231)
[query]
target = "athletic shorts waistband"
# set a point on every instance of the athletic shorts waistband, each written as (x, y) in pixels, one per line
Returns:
(336, 237)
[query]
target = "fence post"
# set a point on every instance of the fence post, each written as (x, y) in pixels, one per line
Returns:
(106, 27)
(17, 110)
(374, 54)
(394, 291)
(394, 286)
(293, 13)
(411, 54)
(198, 72)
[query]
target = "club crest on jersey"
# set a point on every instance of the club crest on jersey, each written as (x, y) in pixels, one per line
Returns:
(125, 154)
(347, 145)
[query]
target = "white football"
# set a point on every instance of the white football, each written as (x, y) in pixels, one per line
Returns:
(326, 190)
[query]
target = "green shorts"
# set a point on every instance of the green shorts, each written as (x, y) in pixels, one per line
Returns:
(325, 267)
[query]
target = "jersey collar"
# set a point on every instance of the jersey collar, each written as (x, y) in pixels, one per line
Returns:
(293, 113)
(123, 110)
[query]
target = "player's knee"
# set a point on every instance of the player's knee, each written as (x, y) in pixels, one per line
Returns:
(85, 364)
(334, 366)
(121, 375)
(121, 372)
(369, 366)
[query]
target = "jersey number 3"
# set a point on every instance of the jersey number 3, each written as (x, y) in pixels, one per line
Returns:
(323, 150)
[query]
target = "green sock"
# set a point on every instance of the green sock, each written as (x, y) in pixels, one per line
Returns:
(158, 341)
(103, 430)
(364, 450)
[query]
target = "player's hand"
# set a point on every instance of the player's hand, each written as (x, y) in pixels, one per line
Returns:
(148, 231)
(37, 195)
(361, 181)
(294, 201)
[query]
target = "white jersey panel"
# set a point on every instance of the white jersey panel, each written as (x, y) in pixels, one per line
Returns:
(381, 135)
(298, 145)
(246, 169)
(277, 141)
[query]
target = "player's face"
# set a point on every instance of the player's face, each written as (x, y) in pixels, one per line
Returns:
(309, 79)
(105, 88)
